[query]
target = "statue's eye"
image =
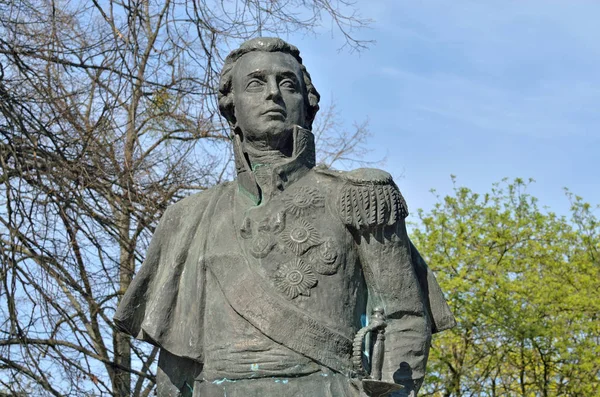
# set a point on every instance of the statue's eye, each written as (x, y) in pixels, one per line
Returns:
(289, 84)
(254, 85)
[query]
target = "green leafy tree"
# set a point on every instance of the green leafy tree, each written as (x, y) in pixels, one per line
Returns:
(524, 286)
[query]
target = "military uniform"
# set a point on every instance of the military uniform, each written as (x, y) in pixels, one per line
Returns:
(256, 290)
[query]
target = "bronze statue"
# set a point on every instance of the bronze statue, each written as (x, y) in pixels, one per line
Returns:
(264, 286)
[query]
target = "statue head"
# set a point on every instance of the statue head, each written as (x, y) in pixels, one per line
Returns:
(265, 91)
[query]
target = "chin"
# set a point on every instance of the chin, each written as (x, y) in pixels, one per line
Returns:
(276, 128)
(271, 130)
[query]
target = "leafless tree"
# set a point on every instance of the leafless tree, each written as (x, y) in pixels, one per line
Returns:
(337, 144)
(107, 115)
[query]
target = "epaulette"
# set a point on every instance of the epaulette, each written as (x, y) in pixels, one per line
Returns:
(368, 198)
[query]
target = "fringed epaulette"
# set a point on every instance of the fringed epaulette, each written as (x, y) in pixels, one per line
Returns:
(368, 198)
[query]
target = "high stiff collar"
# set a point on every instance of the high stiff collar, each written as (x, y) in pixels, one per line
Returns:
(262, 179)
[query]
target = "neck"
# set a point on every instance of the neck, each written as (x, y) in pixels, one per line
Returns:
(284, 168)
(261, 156)
(277, 147)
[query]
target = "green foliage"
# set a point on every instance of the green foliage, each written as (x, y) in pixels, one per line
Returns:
(523, 284)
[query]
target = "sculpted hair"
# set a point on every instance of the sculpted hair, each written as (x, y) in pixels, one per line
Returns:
(266, 44)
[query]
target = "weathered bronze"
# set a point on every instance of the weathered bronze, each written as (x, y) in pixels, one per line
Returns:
(263, 286)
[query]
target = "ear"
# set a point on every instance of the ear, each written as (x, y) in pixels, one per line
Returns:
(236, 133)
(230, 116)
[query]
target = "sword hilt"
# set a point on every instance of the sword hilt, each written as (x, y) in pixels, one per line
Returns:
(376, 327)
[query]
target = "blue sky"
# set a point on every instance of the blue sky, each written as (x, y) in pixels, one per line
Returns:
(479, 89)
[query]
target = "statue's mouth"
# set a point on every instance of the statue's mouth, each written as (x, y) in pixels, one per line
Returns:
(276, 111)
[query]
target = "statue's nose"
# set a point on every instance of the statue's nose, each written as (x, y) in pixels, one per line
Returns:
(273, 91)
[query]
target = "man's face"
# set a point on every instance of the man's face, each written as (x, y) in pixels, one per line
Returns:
(268, 97)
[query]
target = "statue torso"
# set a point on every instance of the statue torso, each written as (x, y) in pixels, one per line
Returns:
(296, 247)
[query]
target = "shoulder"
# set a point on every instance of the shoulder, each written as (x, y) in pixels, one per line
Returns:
(359, 176)
(366, 197)
(194, 204)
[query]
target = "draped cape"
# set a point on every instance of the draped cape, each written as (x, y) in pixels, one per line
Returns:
(164, 304)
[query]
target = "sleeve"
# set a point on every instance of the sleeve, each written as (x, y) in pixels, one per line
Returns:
(393, 285)
(374, 210)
